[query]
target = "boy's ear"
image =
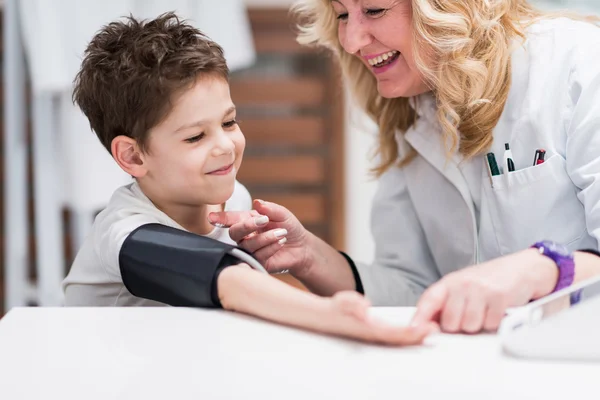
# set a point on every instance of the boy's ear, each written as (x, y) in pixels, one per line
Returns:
(127, 154)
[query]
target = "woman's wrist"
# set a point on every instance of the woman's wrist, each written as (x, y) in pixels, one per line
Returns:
(312, 247)
(325, 271)
(587, 265)
(542, 273)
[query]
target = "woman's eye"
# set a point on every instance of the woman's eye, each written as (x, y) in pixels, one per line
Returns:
(194, 139)
(375, 12)
(342, 17)
(230, 124)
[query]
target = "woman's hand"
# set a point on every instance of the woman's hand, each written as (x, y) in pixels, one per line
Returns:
(476, 298)
(271, 233)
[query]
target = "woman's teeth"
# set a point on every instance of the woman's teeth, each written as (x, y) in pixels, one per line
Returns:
(384, 59)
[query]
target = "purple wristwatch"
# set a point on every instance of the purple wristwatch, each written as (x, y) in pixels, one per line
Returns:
(564, 260)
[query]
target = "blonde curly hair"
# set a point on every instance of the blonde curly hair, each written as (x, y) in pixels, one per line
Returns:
(470, 41)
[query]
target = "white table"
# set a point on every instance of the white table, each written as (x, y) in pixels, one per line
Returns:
(177, 353)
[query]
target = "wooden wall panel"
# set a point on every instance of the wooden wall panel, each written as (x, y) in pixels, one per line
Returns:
(279, 131)
(278, 91)
(309, 208)
(283, 170)
(267, 42)
(290, 105)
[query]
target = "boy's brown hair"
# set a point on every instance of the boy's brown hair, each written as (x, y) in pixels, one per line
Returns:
(132, 70)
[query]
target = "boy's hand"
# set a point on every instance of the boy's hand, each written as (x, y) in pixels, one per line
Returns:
(270, 232)
(350, 318)
(244, 290)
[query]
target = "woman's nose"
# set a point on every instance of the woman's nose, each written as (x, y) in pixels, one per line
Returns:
(356, 36)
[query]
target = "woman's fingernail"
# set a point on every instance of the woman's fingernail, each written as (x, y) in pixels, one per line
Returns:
(282, 241)
(280, 233)
(261, 201)
(262, 220)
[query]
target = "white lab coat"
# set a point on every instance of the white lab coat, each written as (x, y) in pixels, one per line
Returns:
(423, 219)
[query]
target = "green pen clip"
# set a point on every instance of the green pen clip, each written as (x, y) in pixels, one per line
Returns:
(491, 159)
(493, 167)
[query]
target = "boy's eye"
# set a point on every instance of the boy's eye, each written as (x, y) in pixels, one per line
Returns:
(195, 138)
(342, 17)
(230, 124)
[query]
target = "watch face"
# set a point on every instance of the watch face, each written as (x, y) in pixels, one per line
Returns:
(556, 248)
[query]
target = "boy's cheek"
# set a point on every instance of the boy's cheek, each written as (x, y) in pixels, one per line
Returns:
(241, 141)
(239, 155)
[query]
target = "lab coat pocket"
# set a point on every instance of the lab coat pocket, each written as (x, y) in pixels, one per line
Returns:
(533, 204)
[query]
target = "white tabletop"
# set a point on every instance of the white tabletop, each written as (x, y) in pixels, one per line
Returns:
(164, 353)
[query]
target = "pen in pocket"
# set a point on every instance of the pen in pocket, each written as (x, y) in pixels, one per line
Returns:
(540, 154)
(509, 164)
(492, 164)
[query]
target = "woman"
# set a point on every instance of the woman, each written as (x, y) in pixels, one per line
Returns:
(449, 82)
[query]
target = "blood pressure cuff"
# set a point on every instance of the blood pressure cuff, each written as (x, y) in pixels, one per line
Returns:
(173, 266)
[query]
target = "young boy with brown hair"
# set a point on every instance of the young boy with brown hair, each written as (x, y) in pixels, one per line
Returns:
(156, 94)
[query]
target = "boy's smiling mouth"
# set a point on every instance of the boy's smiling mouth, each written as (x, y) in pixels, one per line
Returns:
(222, 171)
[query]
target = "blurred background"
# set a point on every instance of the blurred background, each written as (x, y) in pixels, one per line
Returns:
(308, 147)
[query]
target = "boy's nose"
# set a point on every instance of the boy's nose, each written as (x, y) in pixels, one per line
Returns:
(223, 146)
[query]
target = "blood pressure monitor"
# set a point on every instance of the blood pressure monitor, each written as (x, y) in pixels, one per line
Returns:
(564, 325)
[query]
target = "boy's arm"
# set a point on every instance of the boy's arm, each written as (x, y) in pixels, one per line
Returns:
(345, 314)
(180, 268)
(173, 266)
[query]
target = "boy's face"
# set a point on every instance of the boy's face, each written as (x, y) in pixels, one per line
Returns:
(194, 154)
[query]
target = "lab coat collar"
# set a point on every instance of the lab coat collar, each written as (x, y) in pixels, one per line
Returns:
(425, 105)
(426, 137)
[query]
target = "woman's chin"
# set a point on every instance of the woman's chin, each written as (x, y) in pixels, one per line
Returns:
(394, 89)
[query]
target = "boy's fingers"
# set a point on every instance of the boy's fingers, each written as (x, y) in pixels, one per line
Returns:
(240, 223)
(225, 219)
(403, 336)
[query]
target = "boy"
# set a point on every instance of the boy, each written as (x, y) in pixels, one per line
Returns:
(156, 94)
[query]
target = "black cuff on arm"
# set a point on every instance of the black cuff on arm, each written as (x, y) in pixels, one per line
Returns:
(591, 251)
(359, 286)
(174, 267)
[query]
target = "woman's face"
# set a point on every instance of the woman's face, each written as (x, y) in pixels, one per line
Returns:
(379, 33)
